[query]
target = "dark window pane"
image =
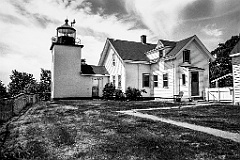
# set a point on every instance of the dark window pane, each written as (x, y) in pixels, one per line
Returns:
(186, 56)
(183, 79)
(146, 80)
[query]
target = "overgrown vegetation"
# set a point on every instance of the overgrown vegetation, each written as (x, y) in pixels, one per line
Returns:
(91, 130)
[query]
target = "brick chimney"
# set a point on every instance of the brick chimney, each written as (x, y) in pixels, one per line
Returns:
(144, 39)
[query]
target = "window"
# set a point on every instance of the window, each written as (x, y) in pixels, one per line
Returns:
(160, 53)
(113, 59)
(155, 78)
(146, 80)
(119, 81)
(183, 79)
(186, 56)
(113, 80)
(165, 80)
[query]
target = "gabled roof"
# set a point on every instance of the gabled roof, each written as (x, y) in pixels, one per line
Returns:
(135, 51)
(236, 50)
(91, 69)
(178, 46)
(129, 50)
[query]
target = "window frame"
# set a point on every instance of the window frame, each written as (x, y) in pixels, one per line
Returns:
(114, 80)
(119, 81)
(155, 81)
(183, 79)
(165, 75)
(186, 53)
(143, 79)
(113, 59)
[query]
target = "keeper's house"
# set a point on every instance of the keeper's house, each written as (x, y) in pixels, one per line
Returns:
(163, 69)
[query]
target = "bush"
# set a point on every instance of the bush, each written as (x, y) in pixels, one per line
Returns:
(108, 91)
(119, 95)
(133, 93)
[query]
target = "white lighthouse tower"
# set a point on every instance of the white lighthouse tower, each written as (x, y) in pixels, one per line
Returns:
(70, 78)
(66, 64)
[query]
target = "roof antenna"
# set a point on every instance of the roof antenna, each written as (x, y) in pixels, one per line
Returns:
(73, 22)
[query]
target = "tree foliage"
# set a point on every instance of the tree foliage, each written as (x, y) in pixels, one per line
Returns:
(3, 90)
(19, 80)
(45, 84)
(223, 64)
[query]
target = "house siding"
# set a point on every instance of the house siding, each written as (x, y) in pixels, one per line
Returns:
(134, 73)
(162, 68)
(236, 78)
(197, 59)
(115, 70)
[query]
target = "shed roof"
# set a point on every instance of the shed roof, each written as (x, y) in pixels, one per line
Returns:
(91, 69)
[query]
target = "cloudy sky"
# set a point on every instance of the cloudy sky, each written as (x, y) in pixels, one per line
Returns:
(26, 26)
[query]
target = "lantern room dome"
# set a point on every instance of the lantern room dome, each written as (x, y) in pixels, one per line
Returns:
(66, 34)
(66, 28)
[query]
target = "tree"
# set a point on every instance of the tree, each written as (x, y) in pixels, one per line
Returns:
(45, 84)
(18, 82)
(3, 90)
(223, 64)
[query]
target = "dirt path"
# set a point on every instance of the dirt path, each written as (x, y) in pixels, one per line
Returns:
(216, 132)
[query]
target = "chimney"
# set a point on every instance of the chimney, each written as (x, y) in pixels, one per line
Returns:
(144, 39)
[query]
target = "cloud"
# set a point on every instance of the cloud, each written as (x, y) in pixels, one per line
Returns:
(211, 30)
(26, 29)
(161, 16)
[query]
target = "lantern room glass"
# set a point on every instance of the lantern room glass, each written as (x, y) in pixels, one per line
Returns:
(66, 34)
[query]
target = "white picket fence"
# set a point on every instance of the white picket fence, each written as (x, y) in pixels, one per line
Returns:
(219, 94)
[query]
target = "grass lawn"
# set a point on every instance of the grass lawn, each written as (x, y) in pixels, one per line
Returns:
(92, 130)
(223, 117)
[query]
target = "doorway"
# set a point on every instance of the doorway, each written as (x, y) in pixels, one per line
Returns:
(95, 87)
(195, 83)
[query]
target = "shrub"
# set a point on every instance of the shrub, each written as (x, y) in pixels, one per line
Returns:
(108, 91)
(119, 95)
(133, 93)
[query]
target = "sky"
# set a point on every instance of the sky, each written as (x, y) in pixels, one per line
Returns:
(27, 26)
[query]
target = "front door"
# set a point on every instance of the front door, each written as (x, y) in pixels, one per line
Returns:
(195, 84)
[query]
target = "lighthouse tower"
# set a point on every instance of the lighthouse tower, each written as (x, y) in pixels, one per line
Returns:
(66, 64)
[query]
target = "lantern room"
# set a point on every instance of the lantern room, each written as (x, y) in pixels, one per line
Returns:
(66, 34)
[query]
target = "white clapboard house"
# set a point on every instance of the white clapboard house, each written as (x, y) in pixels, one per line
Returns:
(163, 69)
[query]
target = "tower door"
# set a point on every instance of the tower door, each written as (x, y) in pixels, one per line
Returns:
(195, 83)
(95, 88)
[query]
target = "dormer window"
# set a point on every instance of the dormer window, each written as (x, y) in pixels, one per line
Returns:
(186, 56)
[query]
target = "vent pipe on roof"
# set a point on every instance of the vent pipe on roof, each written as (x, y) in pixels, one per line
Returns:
(144, 39)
